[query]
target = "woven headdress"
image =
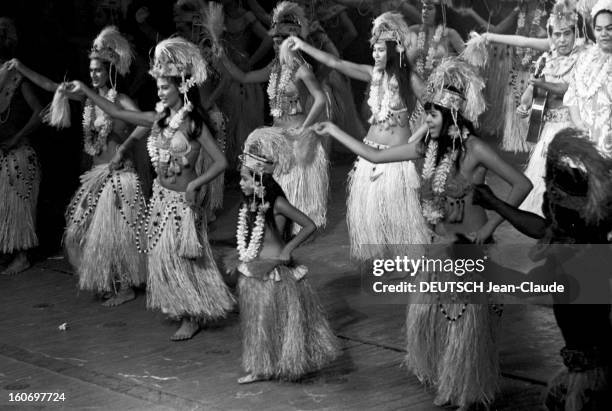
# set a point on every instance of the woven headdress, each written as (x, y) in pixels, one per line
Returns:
(391, 26)
(289, 19)
(601, 5)
(112, 47)
(177, 57)
(578, 176)
(468, 100)
(563, 14)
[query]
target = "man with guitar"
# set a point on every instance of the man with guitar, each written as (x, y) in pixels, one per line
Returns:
(543, 98)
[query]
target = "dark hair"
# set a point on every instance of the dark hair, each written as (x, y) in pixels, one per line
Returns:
(597, 15)
(401, 72)
(198, 115)
(439, 15)
(272, 192)
(445, 142)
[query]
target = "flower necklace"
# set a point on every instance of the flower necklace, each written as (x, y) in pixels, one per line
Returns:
(436, 176)
(281, 76)
(425, 62)
(97, 125)
(592, 75)
(158, 144)
(379, 98)
(248, 253)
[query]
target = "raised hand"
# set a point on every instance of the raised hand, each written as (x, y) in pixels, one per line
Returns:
(295, 43)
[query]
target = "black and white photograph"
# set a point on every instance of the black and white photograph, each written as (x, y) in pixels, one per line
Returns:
(306, 205)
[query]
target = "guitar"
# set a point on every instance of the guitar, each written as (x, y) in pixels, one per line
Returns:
(538, 106)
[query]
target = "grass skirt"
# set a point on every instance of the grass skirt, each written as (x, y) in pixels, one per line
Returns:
(285, 334)
(588, 390)
(460, 357)
(214, 189)
(383, 209)
(301, 168)
(101, 231)
(515, 127)
(555, 120)
(183, 277)
(19, 182)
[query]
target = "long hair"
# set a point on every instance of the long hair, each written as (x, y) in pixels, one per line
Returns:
(401, 72)
(272, 192)
(198, 115)
(445, 141)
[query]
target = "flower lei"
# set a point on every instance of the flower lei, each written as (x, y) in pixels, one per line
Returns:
(379, 100)
(247, 253)
(527, 54)
(592, 74)
(433, 204)
(281, 76)
(97, 125)
(426, 62)
(156, 153)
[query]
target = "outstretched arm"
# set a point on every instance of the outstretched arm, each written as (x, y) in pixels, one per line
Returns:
(357, 71)
(518, 41)
(36, 78)
(283, 207)
(138, 118)
(404, 152)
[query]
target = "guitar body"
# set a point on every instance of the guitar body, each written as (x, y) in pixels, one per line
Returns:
(536, 118)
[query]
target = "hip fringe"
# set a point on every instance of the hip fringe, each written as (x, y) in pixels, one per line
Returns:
(284, 331)
(515, 128)
(183, 277)
(19, 183)
(101, 233)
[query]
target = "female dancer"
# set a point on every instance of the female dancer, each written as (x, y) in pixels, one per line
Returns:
(382, 207)
(19, 169)
(589, 96)
(285, 334)
(183, 279)
(451, 345)
(558, 68)
(432, 40)
(100, 236)
(301, 162)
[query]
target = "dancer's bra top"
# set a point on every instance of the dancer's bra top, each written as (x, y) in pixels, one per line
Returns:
(457, 186)
(179, 144)
(289, 103)
(396, 113)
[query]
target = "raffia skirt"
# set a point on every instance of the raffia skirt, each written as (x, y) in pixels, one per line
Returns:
(555, 120)
(183, 277)
(384, 214)
(301, 168)
(102, 229)
(19, 182)
(453, 347)
(285, 334)
(214, 189)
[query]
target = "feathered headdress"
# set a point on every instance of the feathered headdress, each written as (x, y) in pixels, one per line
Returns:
(111, 46)
(289, 19)
(601, 5)
(214, 25)
(563, 14)
(468, 100)
(578, 176)
(391, 26)
(177, 57)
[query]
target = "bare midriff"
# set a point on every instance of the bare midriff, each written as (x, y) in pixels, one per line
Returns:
(390, 135)
(116, 137)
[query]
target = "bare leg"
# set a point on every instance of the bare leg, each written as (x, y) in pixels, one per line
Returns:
(189, 327)
(125, 294)
(20, 263)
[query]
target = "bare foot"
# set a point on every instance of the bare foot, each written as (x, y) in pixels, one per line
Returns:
(187, 330)
(124, 295)
(20, 263)
(249, 378)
